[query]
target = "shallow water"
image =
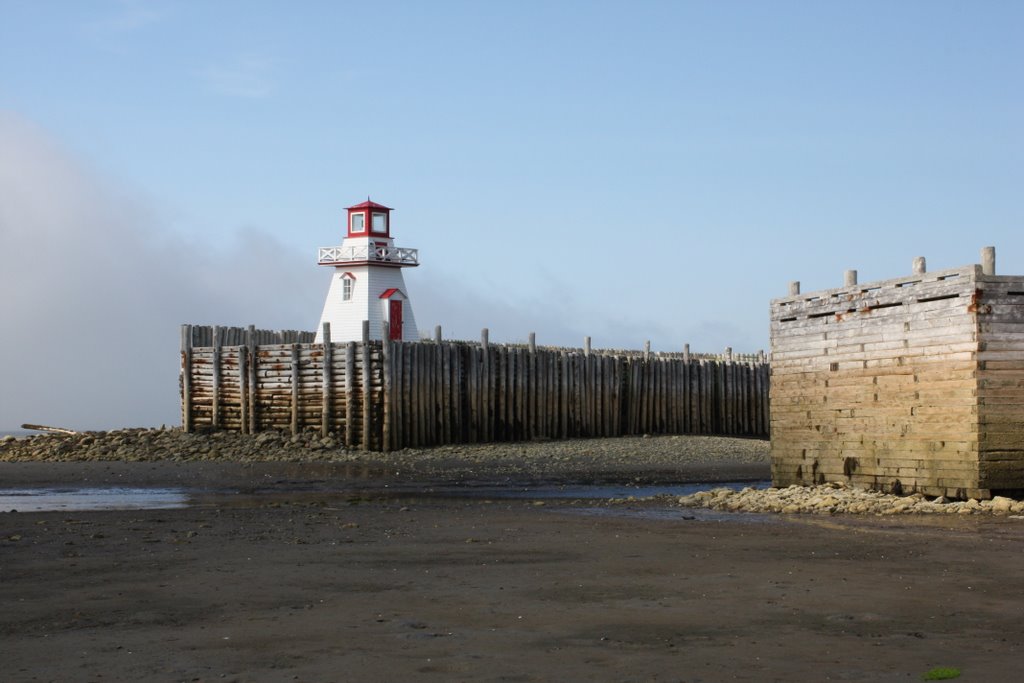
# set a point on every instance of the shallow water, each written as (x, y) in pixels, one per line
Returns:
(115, 498)
(49, 499)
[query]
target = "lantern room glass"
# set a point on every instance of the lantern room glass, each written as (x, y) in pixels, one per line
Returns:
(358, 221)
(379, 223)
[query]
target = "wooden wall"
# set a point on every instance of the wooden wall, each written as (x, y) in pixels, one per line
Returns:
(909, 384)
(415, 394)
(1000, 311)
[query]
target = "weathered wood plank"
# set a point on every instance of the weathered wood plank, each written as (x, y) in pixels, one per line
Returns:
(896, 382)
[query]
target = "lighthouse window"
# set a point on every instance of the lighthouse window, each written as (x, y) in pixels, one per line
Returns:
(380, 223)
(358, 222)
(346, 289)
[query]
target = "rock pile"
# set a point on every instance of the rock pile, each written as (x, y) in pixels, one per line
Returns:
(577, 457)
(170, 444)
(830, 499)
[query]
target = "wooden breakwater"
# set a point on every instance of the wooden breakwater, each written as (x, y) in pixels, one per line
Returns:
(390, 395)
(909, 384)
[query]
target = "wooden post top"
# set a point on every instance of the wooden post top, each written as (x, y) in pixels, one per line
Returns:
(853, 291)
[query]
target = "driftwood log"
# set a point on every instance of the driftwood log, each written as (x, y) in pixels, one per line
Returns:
(44, 428)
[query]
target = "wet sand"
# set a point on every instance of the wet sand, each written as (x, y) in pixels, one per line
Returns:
(367, 474)
(363, 585)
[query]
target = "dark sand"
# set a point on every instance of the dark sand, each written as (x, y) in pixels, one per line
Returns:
(327, 576)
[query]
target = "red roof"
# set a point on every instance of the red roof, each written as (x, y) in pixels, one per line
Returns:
(370, 205)
(388, 293)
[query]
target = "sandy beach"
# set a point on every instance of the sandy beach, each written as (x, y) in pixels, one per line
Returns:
(354, 571)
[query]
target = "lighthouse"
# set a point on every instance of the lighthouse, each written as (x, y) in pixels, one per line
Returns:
(367, 282)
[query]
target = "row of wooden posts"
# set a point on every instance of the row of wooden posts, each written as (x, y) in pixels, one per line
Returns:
(390, 395)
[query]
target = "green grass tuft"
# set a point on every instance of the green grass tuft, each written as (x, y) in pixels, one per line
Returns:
(941, 673)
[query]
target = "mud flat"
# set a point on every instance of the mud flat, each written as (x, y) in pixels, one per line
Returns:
(461, 590)
(370, 586)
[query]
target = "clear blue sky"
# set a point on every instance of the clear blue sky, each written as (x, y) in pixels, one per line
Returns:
(628, 171)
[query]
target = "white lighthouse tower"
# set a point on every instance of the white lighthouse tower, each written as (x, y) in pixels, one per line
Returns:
(367, 282)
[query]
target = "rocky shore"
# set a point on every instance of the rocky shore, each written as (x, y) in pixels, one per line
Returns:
(648, 458)
(537, 458)
(832, 499)
(146, 445)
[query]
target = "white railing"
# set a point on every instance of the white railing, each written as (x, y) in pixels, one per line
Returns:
(398, 255)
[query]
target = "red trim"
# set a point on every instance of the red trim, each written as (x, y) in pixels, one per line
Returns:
(348, 275)
(388, 293)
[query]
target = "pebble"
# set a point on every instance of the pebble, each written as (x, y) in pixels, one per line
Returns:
(831, 499)
(648, 453)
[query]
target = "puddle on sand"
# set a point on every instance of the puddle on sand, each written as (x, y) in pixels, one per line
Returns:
(44, 500)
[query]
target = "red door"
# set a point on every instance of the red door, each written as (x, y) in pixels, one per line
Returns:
(395, 316)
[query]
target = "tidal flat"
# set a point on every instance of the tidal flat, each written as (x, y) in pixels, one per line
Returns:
(315, 572)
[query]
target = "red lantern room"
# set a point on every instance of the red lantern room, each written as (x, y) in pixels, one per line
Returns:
(369, 219)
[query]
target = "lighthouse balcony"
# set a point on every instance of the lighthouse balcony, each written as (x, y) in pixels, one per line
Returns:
(398, 256)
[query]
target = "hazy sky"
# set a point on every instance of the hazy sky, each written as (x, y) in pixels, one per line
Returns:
(624, 170)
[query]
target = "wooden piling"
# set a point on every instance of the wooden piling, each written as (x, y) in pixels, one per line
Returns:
(367, 389)
(422, 394)
(988, 261)
(446, 417)
(486, 417)
(295, 388)
(186, 378)
(251, 399)
(243, 391)
(350, 395)
(563, 395)
(215, 392)
(325, 383)
(386, 389)
(396, 399)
